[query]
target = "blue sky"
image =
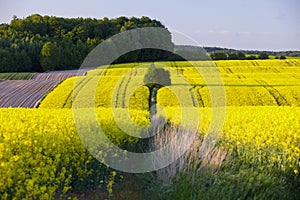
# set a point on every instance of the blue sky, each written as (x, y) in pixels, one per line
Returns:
(240, 24)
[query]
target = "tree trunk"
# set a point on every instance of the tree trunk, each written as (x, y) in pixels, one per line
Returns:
(153, 101)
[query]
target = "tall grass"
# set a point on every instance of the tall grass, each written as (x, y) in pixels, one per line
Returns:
(210, 172)
(185, 148)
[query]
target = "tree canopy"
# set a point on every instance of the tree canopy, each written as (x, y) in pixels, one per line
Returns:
(40, 43)
(157, 77)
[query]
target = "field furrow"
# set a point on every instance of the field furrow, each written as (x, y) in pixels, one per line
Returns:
(24, 93)
(28, 93)
(59, 75)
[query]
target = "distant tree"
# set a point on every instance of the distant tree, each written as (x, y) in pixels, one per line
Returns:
(241, 55)
(282, 57)
(79, 33)
(251, 57)
(263, 55)
(79, 52)
(233, 56)
(276, 57)
(123, 28)
(219, 56)
(23, 62)
(236, 56)
(6, 60)
(190, 53)
(155, 78)
(49, 55)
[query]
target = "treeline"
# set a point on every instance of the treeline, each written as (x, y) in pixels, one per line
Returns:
(178, 53)
(276, 54)
(242, 56)
(217, 53)
(238, 56)
(42, 43)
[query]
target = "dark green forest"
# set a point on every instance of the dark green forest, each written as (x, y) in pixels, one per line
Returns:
(42, 43)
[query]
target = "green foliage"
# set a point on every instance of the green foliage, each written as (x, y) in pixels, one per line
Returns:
(49, 56)
(263, 56)
(16, 58)
(226, 184)
(290, 54)
(187, 52)
(22, 41)
(157, 77)
(236, 56)
(282, 57)
(241, 55)
(251, 57)
(148, 55)
(219, 56)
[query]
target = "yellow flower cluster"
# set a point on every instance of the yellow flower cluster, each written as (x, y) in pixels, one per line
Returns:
(269, 135)
(247, 83)
(120, 87)
(61, 96)
(42, 156)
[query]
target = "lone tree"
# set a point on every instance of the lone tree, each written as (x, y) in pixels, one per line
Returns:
(155, 79)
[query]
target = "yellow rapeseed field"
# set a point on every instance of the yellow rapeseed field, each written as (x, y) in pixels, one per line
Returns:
(41, 155)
